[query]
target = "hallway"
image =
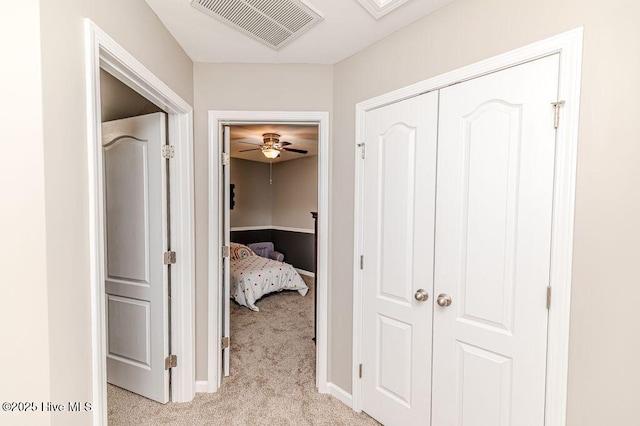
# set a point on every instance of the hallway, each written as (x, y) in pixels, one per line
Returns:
(272, 380)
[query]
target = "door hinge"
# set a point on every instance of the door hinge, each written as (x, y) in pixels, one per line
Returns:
(556, 113)
(361, 145)
(362, 262)
(226, 250)
(225, 342)
(169, 257)
(170, 362)
(360, 371)
(549, 297)
(168, 151)
(225, 159)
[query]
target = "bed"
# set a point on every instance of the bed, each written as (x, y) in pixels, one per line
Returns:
(253, 276)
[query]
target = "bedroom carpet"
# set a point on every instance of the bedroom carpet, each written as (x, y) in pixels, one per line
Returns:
(272, 378)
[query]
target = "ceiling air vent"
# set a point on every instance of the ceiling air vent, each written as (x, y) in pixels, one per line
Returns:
(273, 22)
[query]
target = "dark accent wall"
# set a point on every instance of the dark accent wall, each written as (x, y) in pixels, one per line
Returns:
(248, 237)
(297, 247)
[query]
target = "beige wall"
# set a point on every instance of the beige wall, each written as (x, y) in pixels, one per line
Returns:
(117, 100)
(604, 372)
(295, 192)
(134, 25)
(249, 87)
(253, 193)
(23, 305)
(287, 201)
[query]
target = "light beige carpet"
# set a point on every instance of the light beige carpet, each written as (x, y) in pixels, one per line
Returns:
(272, 378)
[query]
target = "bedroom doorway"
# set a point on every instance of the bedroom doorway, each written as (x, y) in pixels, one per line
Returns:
(270, 195)
(106, 59)
(254, 151)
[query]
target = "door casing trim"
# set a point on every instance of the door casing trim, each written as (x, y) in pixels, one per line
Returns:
(217, 119)
(569, 46)
(101, 51)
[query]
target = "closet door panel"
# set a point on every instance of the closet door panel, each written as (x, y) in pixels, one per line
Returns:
(398, 227)
(496, 151)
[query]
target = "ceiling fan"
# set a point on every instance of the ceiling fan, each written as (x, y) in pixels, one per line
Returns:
(271, 146)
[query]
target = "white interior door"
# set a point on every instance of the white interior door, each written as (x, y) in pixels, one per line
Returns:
(226, 233)
(496, 151)
(136, 279)
(398, 227)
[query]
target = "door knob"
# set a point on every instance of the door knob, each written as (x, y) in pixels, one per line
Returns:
(421, 295)
(444, 300)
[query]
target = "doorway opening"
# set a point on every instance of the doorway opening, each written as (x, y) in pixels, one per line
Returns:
(137, 229)
(297, 239)
(105, 59)
(269, 304)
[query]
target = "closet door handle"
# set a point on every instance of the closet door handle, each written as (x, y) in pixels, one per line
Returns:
(444, 300)
(421, 295)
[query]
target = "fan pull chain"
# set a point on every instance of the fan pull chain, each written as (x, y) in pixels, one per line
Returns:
(270, 175)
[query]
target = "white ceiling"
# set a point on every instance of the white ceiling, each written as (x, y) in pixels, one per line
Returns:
(301, 136)
(347, 28)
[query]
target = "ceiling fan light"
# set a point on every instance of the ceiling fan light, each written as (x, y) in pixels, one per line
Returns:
(270, 152)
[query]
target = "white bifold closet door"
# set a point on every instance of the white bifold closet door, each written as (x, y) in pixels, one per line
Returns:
(457, 204)
(399, 194)
(496, 148)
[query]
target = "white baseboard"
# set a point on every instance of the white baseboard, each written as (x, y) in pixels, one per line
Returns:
(202, 386)
(307, 273)
(341, 394)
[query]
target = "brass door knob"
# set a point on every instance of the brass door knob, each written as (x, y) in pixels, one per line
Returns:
(421, 295)
(444, 300)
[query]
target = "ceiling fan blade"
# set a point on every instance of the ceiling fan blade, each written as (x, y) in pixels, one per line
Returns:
(299, 151)
(247, 150)
(247, 143)
(284, 143)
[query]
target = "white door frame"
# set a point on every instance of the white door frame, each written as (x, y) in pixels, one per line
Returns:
(101, 51)
(569, 46)
(214, 333)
